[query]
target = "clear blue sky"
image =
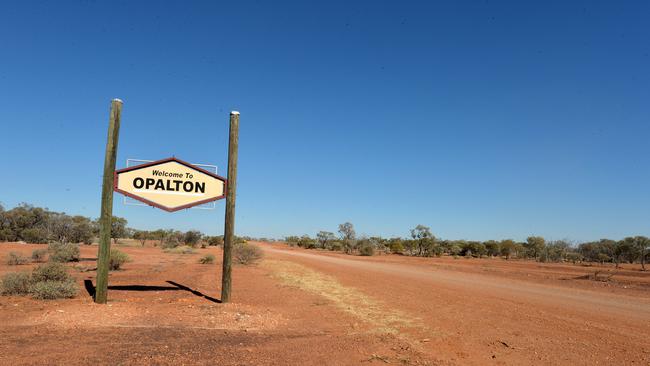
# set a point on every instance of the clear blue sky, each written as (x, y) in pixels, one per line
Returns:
(482, 120)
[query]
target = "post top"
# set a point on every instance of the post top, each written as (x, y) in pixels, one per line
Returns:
(234, 112)
(118, 100)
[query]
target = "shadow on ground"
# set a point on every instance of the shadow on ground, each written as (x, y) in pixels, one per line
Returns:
(90, 288)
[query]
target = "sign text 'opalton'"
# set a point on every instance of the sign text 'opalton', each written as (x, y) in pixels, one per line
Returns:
(170, 185)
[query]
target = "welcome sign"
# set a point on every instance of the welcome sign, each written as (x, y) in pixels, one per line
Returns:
(170, 184)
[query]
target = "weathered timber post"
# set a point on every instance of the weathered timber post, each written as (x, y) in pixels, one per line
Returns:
(104, 251)
(231, 189)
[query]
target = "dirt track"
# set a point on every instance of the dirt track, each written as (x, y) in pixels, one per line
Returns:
(314, 308)
(473, 316)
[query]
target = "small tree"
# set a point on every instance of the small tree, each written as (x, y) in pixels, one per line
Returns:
(348, 236)
(324, 238)
(492, 247)
(292, 240)
(172, 239)
(424, 239)
(395, 246)
(82, 230)
(118, 228)
(60, 227)
(534, 246)
(142, 236)
(641, 244)
(557, 250)
(192, 238)
(159, 235)
(306, 242)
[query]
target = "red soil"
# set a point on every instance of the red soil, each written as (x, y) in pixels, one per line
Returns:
(300, 307)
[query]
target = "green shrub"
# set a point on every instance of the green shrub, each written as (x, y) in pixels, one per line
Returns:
(336, 246)
(118, 258)
(245, 253)
(52, 281)
(207, 259)
(50, 290)
(170, 244)
(38, 255)
(63, 252)
(35, 235)
(192, 238)
(15, 283)
(51, 271)
(172, 240)
(367, 250)
(15, 259)
(215, 240)
(396, 247)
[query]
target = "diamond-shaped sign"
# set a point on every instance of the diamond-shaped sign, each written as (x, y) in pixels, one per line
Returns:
(170, 184)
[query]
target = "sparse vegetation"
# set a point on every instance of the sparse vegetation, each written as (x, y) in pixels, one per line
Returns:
(214, 240)
(172, 239)
(51, 271)
(118, 258)
(183, 249)
(366, 249)
(192, 238)
(245, 253)
(46, 282)
(37, 225)
(142, 236)
(15, 283)
(118, 228)
(52, 281)
(39, 255)
(424, 243)
(16, 259)
(63, 252)
(207, 259)
(50, 290)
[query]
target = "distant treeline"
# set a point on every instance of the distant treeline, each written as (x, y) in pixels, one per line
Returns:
(38, 225)
(423, 243)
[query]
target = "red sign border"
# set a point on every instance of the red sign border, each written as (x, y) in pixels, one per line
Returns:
(157, 162)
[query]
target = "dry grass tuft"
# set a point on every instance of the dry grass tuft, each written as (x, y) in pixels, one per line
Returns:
(348, 299)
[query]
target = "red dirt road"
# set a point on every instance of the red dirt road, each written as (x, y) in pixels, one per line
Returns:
(481, 318)
(305, 307)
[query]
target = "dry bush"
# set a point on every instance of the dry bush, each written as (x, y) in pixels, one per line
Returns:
(63, 252)
(38, 255)
(47, 281)
(207, 259)
(50, 272)
(367, 250)
(118, 258)
(16, 259)
(602, 276)
(15, 283)
(52, 281)
(246, 253)
(183, 249)
(50, 290)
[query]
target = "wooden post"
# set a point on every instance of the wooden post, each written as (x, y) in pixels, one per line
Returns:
(231, 189)
(106, 216)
